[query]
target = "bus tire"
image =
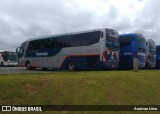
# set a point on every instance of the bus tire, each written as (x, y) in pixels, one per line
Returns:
(44, 69)
(71, 66)
(28, 65)
(2, 64)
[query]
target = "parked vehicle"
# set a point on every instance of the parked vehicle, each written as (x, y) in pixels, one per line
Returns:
(132, 46)
(8, 58)
(92, 49)
(150, 54)
(158, 56)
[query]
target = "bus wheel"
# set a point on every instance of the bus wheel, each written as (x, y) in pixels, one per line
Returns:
(71, 66)
(2, 64)
(44, 68)
(28, 65)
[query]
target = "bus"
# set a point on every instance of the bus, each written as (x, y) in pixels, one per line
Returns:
(158, 56)
(150, 54)
(91, 49)
(132, 46)
(8, 58)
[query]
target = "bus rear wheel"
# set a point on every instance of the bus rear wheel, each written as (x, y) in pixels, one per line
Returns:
(28, 66)
(2, 64)
(71, 66)
(44, 68)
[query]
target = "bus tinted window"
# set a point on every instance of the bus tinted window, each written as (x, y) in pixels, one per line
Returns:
(10, 56)
(125, 41)
(142, 50)
(152, 44)
(141, 39)
(112, 39)
(22, 49)
(158, 49)
(37, 44)
(85, 39)
(5, 56)
(152, 47)
(50, 43)
(63, 41)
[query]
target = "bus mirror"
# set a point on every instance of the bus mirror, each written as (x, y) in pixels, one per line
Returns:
(17, 50)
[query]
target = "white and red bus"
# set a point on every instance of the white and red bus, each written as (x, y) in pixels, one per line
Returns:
(92, 49)
(8, 58)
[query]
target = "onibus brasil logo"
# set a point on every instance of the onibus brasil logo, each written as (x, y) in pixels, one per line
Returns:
(20, 108)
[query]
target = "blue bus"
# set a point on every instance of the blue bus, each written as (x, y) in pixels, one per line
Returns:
(91, 49)
(150, 54)
(132, 46)
(158, 56)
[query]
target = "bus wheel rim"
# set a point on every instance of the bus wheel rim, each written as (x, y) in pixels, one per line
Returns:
(71, 66)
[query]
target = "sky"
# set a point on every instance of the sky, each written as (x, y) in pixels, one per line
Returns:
(24, 19)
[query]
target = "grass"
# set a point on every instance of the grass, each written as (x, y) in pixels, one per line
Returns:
(81, 88)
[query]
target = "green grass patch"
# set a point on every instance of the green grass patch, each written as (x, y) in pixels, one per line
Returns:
(81, 88)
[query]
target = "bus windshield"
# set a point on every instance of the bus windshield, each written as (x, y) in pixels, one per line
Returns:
(20, 51)
(10, 56)
(141, 39)
(112, 39)
(142, 50)
(152, 47)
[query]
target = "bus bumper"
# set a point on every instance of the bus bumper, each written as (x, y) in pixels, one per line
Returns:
(141, 65)
(106, 66)
(11, 64)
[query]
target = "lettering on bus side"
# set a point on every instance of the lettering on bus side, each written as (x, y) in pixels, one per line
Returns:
(142, 54)
(127, 53)
(42, 54)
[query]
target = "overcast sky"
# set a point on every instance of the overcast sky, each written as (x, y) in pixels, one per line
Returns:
(24, 19)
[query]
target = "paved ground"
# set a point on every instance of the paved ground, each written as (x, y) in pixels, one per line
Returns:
(14, 70)
(17, 70)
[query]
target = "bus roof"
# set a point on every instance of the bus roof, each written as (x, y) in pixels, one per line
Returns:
(150, 40)
(55, 35)
(130, 34)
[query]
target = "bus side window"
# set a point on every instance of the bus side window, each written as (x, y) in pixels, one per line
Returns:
(85, 39)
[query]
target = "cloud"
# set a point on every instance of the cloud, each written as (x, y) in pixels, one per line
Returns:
(147, 20)
(24, 19)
